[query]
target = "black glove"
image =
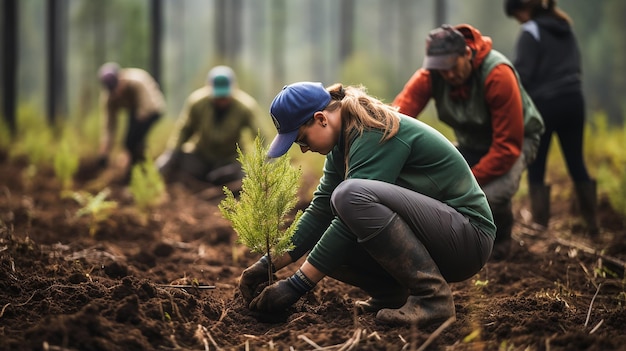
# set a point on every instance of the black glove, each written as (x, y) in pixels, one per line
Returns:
(102, 161)
(282, 294)
(276, 297)
(254, 276)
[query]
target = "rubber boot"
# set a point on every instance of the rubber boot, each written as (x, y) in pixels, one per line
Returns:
(399, 252)
(540, 203)
(384, 290)
(587, 203)
(503, 218)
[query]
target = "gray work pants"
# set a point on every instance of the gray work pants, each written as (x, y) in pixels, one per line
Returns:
(501, 190)
(458, 248)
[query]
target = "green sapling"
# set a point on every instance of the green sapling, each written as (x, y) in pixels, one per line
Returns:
(65, 164)
(96, 207)
(146, 185)
(269, 192)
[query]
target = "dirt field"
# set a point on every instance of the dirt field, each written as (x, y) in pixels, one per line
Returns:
(63, 289)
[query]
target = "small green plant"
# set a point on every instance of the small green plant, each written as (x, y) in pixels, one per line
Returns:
(146, 185)
(606, 143)
(268, 194)
(65, 164)
(481, 283)
(33, 138)
(96, 207)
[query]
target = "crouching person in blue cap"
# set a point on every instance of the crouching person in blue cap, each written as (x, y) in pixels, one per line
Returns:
(398, 212)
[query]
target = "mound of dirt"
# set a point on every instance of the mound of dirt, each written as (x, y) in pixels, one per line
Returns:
(62, 288)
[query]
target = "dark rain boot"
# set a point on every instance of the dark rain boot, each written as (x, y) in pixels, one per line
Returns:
(587, 203)
(401, 254)
(384, 290)
(540, 203)
(503, 219)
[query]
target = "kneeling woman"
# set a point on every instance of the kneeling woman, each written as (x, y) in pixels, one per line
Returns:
(397, 212)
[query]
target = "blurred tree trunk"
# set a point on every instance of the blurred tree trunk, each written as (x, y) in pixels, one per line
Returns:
(156, 36)
(405, 35)
(9, 62)
(316, 35)
(441, 12)
(614, 21)
(228, 29)
(278, 33)
(90, 21)
(385, 12)
(346, 33)
(57, 60)
(177, 76)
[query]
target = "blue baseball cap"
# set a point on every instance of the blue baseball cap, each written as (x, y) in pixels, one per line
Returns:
(294, 105)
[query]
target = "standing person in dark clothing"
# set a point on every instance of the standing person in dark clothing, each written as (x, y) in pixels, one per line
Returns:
(134, 90)
(477, 92)
(549, 64)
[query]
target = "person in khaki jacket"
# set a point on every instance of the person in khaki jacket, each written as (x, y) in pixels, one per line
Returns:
(134, 90)
(214, 118)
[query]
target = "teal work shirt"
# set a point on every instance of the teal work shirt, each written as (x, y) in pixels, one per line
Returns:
(418, 158)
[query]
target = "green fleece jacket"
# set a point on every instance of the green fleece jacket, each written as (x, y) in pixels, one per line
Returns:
(418, 158)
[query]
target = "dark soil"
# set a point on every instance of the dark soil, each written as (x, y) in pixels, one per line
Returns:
(64, 289)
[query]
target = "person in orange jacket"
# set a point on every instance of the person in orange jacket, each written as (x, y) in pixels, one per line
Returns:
(478, 93)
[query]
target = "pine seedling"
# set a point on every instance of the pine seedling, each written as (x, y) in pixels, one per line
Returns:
(146, 185)
(65, 164)
(96, 207)
(269, 192)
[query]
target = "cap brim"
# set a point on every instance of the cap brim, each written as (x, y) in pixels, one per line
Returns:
(221, 92)
(281, 143)
(440, 62)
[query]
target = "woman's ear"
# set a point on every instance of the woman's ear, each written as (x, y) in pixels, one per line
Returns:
(320, 117)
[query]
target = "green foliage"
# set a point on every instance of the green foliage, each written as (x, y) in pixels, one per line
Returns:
(481, 283)
(87, 128)
(5, 135)
(615, 187)
(159, 134)
(146, 185)
(269, 193)
(605, 146)
(377, 81)
(33, 138)
(36, 147)
(96, 207)
(65, 164)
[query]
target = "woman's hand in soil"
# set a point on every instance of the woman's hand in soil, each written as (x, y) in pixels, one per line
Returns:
(254, 276)
(276, 297)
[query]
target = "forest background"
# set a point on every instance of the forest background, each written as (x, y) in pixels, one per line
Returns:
(270, 43)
